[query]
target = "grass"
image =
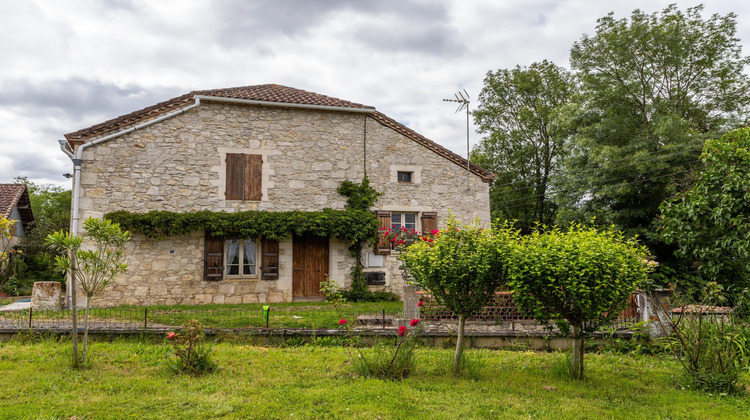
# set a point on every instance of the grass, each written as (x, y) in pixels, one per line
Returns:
(127, 379)
(282, 315)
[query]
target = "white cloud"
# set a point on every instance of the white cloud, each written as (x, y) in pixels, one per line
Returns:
(76, 63)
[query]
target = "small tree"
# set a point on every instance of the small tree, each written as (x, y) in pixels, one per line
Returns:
(581, 278)
(461, 267)
(91, 269)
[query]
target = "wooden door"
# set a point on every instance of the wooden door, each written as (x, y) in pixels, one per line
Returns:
(310, 265)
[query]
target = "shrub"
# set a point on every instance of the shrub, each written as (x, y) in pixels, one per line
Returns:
(461, 267)
(192, 355)
(390, 361)
(712, 344)
(579, 279)
(383, 361)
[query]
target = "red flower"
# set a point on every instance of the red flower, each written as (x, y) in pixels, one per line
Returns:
(401, 242)
(401, 331)
(435, 232)
(342, 321)
(393, 239)
(420, 304)
(430, 241)
(171, 335)
(414, 322)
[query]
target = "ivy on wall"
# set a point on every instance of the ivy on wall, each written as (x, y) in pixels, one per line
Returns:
(355, 226)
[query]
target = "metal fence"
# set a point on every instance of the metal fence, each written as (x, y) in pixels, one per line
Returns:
(144, 318)
(503, 310)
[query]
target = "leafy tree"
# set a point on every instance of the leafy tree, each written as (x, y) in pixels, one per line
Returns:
(461, 267)
(51, 207)
(522, 115)
(654, 87)
(578, 279)
(710, 223)
(92, 260)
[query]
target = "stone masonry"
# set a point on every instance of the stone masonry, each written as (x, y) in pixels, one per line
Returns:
(179, 165)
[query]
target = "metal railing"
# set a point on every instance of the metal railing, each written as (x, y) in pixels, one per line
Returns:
(145, 318)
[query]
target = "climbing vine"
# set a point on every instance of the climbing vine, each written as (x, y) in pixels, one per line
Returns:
(355, 226)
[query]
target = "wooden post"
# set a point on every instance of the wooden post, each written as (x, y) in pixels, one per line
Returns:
(145, 319)
(31, 310)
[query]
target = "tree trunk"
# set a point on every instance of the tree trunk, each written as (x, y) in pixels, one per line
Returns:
(459, 342)
(578, 342)
(85, 330)
(73, 312)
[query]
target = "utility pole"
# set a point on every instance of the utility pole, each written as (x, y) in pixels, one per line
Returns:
(462, 98)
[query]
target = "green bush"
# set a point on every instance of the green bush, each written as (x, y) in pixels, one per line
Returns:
(712, 346)
(192, 355)
(579, 279)
(388, 360)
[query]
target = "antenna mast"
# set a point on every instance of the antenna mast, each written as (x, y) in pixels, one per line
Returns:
(462, 98)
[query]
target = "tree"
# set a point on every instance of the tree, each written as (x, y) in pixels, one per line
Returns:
(461, 268)
(91, 269)
(51, 207)
(654, 87)
(710, 223)
(521, 113)
(578, 279)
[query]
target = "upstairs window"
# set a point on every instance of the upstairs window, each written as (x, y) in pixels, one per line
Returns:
(405, 177)
(407, 220)
(244, 177)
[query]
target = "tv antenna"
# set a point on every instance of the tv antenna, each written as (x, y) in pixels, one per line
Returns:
(462, 99)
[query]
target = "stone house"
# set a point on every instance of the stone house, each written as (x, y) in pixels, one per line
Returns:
(269, 148)
(15, 205)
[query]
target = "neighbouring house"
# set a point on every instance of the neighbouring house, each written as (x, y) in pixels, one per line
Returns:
(266, 148)
(15, 205)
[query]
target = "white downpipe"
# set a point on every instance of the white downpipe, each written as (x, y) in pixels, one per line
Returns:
(78, 159)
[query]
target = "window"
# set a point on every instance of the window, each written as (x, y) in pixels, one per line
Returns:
(234, 257)
(404, 177)
(407, 220)
(244, 177)
(240, 254)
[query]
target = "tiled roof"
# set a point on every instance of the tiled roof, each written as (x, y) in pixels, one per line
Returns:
(12, 195)
(265, 93)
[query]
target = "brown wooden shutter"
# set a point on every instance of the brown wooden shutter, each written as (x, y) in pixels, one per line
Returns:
(235, 176)
(383, 247)
(270, 260)
(253, 177)
(429, 222)
(213, 258)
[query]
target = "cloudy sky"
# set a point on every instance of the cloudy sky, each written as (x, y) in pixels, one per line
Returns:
(70, 64)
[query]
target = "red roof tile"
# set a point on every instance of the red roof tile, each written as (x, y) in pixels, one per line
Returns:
(264, 93)
(12, 195)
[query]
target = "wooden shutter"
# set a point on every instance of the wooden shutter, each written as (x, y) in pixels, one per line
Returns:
(429, 222)
(213, 258)
(270, 260)
(235, 176)
(244, 177)
(253, 177)
(383, 247)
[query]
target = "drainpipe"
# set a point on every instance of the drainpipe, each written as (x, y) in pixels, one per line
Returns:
(77, 159)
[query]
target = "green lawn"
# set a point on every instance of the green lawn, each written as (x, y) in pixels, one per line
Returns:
(127, 380)
(281, 315)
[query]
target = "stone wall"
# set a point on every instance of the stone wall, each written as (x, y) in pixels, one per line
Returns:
(179, 165)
